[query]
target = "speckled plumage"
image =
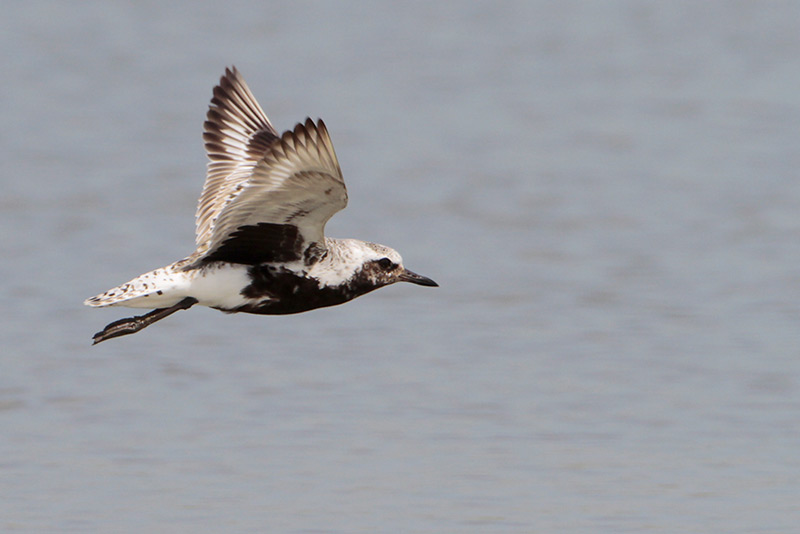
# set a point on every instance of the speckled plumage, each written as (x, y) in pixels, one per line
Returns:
(260, 226)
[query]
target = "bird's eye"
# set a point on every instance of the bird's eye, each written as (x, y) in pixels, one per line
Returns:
(385, 263)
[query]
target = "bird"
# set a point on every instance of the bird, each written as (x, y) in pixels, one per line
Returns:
(260, 222)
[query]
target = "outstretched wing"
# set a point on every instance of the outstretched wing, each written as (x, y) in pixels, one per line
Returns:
(237, 136)
(279, 213)
(266, 198)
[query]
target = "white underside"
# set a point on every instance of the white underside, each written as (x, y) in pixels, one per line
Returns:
(217, 286)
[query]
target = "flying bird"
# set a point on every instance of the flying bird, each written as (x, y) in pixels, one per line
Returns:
(260, 226)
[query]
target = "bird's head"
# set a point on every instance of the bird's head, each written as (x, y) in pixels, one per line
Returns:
(382, 266)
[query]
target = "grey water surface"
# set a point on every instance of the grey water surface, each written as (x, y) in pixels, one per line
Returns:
(607, 192)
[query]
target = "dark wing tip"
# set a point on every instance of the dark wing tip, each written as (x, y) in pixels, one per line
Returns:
(302, 129)
(233, 106)
(306, 131)
(230, 72)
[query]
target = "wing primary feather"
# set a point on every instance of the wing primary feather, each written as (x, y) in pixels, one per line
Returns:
(237, 134)
(259, 183)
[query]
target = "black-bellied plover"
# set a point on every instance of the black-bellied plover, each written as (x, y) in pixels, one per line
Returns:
(260, 220)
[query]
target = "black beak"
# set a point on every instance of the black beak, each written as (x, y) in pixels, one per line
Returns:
(414, 278)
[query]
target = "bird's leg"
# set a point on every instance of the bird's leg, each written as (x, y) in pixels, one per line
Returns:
(131, 325)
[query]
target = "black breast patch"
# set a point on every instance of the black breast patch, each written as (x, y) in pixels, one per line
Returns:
(260, 243)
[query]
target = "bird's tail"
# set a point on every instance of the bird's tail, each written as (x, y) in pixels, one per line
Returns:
(157, 289)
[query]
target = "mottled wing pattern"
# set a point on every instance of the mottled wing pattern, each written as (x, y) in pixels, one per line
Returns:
(237, 135)
(297, 183)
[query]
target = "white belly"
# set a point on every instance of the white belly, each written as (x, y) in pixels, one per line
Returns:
(219, 285)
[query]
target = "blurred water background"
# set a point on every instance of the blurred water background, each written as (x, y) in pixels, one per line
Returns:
(607, 193)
